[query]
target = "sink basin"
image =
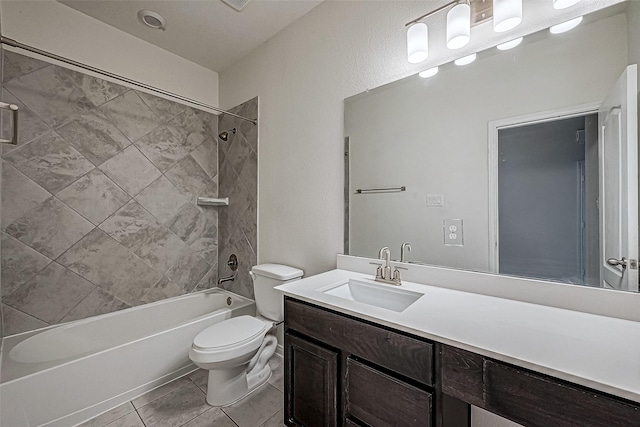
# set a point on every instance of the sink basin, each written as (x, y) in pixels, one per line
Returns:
(383, 296)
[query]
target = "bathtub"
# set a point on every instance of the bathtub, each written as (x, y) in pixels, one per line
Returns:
(65, 374)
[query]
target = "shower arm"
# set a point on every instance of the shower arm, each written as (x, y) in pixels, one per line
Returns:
(10, 42)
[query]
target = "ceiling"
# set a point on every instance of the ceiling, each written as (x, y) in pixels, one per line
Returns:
(207, 32)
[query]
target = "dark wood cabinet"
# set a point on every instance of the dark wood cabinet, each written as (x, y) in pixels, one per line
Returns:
(311, 388)
(382, 377)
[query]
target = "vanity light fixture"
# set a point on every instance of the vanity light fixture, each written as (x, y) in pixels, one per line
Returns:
(510, 44)
(417, 43)
(507, 14)
(566, 26)
(562, 4)
(458, 26)
(428, 73)
(465, 60)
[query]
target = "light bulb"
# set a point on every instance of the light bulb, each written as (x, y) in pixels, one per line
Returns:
(417, 43)
(465, 60)
(566, 26)
(507, 14)
(428, 73)
(510, 44)
(458, 26)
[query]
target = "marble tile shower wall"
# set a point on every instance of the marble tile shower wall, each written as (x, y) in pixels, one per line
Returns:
(238, 223)
(98, 199)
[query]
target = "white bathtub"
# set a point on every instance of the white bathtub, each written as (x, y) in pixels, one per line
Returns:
(66, 374)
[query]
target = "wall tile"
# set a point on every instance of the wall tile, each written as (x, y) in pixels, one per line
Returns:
(198, 228)
(131, 115)
(51, 228)
(19, 194)
(209, 280)
(188, 271)
(162, 148)
(238, 152)
(188, 128)
(19, 263)
(103, 261)
(131, 225)
(162, 199)
(50, 161)
(163, 108)
(50, 294)
(15, 322)
(161, 249)
(248, 174)
(94, 196)
(206, 155)
(94, 136)
(50, 94)
(97, 302)
(130, 170)
(163, 289)
(188, 176)
(16, 65)
(31, 126)
(96, 90)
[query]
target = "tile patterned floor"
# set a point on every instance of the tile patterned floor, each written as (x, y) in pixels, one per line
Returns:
(182, 403)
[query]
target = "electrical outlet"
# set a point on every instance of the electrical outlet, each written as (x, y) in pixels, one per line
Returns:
(435, 200)
(453, 233)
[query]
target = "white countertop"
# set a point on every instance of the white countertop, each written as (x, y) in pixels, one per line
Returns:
(587, 349)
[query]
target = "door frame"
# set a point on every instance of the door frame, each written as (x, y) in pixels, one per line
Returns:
(492, 162)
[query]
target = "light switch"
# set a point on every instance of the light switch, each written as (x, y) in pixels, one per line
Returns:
(452, 232)
(435, 200)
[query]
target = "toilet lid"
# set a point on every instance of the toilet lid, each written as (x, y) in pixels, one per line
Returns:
(230, 333)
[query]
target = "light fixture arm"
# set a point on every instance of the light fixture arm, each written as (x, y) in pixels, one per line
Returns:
(433, 12)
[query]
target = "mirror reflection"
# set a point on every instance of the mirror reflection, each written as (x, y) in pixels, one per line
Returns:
(523, 162)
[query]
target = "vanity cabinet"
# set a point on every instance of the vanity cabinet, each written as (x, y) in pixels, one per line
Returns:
(345, 371)
(373, 376)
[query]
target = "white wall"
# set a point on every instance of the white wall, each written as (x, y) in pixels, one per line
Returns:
(431, 136)
(54, 27)
(302, 76)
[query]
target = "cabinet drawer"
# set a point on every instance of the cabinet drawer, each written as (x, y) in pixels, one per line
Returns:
(381, 400)
(400, 353)
(536, 400)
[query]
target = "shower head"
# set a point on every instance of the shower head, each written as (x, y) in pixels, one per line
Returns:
(225, 135)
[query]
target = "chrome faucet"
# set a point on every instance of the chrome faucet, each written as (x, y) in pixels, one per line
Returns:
(228, 279)
(404, 246)
(384, 274)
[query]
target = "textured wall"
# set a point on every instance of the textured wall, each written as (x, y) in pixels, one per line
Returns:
(98, 209)
(238, 160)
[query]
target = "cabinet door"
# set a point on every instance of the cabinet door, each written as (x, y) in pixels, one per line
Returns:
(378, 399)
(311, 383)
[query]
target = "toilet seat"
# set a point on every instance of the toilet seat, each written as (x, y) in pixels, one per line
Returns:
(229, 339)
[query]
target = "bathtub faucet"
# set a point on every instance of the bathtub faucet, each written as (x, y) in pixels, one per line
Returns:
(227, 279)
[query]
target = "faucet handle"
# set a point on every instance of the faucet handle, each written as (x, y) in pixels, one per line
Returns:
(378, 270)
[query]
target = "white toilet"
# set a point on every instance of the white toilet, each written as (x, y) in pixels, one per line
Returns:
(236, 351)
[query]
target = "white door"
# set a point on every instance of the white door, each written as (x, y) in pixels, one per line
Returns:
(618, 200)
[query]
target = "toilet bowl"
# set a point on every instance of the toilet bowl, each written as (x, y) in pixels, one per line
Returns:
(236, 351)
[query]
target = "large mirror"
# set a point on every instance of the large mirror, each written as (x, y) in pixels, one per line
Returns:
(521, 163)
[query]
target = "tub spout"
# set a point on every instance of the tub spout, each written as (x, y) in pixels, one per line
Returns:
(227, 279)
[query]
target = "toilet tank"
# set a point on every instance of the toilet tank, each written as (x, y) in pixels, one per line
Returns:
(265, 278)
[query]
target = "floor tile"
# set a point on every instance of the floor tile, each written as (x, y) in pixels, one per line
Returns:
(109, 416)
(257, 408)
(200, 378)
(130, 420)
(277, 372)
(214, 417)
(157, 393)
(176, 408)
(275, 421)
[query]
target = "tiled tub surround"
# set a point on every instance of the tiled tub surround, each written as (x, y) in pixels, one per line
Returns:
(106, 360)
(237, 223)
(98, 199)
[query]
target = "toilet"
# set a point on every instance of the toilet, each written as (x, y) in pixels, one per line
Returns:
(236, 351)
